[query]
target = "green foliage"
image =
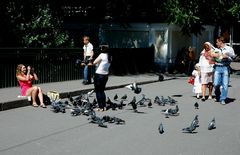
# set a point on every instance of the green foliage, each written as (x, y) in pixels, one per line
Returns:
(192, 15)
(235, 10)
(185, 14)
(38, 29)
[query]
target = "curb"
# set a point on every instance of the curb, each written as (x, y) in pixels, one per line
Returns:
(24, 102)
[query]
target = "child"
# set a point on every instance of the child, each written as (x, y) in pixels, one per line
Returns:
(197, 87)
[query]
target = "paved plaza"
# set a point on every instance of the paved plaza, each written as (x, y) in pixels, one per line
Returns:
(28, 130)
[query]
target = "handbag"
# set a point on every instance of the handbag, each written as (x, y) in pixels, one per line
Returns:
(53, 95)
(191, 80)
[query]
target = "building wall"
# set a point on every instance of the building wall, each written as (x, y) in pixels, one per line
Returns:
(166, 39)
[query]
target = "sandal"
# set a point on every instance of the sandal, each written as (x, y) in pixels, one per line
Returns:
(35, 105)
(43, 106)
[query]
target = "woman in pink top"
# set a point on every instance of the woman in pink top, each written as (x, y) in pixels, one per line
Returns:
(25, 79)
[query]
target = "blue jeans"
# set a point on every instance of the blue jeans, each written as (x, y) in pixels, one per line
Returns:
(221, 78)
(85, 73)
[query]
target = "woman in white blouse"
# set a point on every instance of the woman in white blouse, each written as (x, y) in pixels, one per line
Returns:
(103, 62)
(206, 63)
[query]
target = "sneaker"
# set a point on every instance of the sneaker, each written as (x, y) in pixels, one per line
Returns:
(203, 99)
(198, 96)
(222, 102)
(209, 97)
(216, 100)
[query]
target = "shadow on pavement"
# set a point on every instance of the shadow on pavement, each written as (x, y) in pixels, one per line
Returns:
(230, 100)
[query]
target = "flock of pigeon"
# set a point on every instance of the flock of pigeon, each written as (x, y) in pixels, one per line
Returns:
(174, 112)
(81, 105)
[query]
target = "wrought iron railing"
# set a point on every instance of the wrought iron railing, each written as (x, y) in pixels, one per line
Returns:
(54, 65)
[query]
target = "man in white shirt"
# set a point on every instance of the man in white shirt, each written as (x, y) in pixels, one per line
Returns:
(221, 74)
(88, 57)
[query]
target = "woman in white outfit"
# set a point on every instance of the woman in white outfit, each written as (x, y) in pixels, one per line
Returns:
(206, 63)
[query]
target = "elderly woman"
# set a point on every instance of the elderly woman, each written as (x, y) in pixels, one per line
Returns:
(25, 78)
(206, 63)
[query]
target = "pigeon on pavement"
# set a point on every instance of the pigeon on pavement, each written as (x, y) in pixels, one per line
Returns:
(189, 129)
(212, 124)
(133, 103)
(134, 87)
(124, 97)
(195, 122)
(115, 97)
(174, 111)
(150, 104)
(75, 112)
(196, 105)
(160, 128)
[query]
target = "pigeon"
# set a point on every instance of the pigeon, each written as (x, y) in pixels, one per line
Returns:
(70, 98)
(174, 111)
(159, 101)
(97, 120)
(115, 97)
(195, 122)
(134, 99)
(118, 120)
(74, 103)
(143, 100)
(78, 62)
(94, 103)
(68, 95)
(171, 101)
(58, 107)
(67, 104)
(137, 90)
(163, 100)
(124, 97)
(94, 119)
(91, 92)
(88, 112)
(160, 77)
(100, 124)
(166, 113)
(79, 100)
(134, 87)
(121, 105)
(160, 128)
(193, 126)
(150, 104)
(111, 105)
(212, 125)
(75, 112)
(107, 118)
(133, 103)
(189, 129)
(196, 105)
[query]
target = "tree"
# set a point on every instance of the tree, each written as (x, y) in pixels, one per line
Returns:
(37, 26)
(192, 15)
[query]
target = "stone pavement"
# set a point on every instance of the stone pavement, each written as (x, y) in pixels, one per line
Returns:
(28, 130)
(9, 99)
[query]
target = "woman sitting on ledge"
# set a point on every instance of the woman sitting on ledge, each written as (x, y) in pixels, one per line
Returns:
(25, 78)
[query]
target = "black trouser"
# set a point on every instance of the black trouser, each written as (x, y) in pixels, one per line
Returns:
(100, 84)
